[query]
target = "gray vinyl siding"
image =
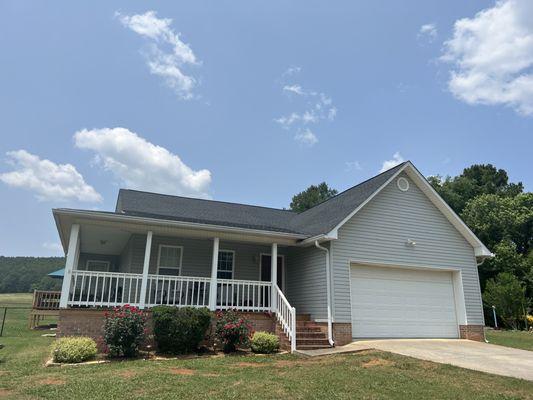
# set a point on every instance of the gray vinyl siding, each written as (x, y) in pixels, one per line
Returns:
(306, 281)
(378, 233)
(197, 256)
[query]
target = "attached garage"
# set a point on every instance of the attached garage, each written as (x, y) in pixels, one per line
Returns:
(390, 302)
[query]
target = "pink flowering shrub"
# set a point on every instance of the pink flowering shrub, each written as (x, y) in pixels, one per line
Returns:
(232, 330)
(124, 331)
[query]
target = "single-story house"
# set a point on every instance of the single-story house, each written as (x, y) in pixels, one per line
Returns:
(387, 258)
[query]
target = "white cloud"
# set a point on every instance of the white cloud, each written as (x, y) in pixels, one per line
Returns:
(492, 56)
(53, 247)
(293, 70)
(314, 108)
(48, 180)
(296, 89)
(306, 137)
(139, 164)
(169, 63)
(353, 166)
(428, 32)
(388, 164)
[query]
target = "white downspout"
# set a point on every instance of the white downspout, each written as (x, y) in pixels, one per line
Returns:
(328, 292)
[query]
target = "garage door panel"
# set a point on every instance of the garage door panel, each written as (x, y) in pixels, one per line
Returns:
(398, 302)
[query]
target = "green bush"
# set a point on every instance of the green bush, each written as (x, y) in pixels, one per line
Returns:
(124, 331)
(180, 330)
(264, 342)
(73, 349)
(508, 295)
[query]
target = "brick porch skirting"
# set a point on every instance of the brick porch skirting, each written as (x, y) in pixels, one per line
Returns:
(472, 332)
(90, 323)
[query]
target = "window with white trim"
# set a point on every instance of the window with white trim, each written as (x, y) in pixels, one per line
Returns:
(169, 260)
(97, 265)
(226, 260)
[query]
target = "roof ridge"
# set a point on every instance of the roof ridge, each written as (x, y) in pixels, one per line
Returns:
(353, 187)
(208, 200)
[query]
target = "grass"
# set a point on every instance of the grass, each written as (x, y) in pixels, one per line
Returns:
(368, 375)
(517, 339)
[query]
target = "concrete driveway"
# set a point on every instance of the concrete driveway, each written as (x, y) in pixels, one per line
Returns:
(478, 356)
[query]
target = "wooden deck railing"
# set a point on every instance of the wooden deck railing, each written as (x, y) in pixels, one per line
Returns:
(46, 300)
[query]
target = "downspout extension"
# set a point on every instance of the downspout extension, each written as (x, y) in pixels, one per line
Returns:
(328, 293)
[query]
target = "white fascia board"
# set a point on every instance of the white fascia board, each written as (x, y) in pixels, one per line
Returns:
(103, 216)
(480, 250)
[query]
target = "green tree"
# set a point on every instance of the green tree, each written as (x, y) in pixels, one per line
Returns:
(494, 218)
(474, 181)
(311, 196)
(507, 294)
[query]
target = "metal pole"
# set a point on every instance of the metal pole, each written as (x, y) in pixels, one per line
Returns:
(3, 321)
(494, 315)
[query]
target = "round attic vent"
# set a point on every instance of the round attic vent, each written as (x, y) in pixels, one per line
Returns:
(403, 184)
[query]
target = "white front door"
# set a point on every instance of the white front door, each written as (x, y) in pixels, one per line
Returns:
(402, 303)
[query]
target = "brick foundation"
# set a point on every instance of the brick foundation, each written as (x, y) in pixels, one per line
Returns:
(342, 333)
(90, 322)
(472, 332)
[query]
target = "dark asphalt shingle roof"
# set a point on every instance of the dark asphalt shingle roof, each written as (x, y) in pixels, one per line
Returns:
(318, 220)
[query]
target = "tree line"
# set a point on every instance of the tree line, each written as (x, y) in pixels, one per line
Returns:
(24, 274)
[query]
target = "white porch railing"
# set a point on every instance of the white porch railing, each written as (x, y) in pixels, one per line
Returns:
(104, 289)
(286, 316)
(110, 289)
(243, 295)
(179, 291)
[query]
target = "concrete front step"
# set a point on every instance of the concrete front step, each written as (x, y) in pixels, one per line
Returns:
(311, 346)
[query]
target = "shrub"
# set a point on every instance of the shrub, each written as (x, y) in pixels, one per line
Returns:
(124, 331)
(507, 293)
(73, 349)
(180, 330)
(232, 330)
(264, 342)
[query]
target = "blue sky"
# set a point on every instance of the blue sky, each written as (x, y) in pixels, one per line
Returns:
(250, 101)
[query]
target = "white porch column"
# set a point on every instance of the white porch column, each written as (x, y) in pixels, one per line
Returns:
(146, 268)
(274, 275)
(70, 264)
(214, 270)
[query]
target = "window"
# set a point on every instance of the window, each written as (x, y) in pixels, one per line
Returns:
(225, 264)
(97, 265)
(169, 260)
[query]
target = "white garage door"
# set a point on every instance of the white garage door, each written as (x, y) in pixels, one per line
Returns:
(402, 303)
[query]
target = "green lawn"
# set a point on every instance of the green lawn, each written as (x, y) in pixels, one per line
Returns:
(369, 375)
(516, 339)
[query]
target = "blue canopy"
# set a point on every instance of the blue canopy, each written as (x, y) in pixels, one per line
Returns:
(57, 274)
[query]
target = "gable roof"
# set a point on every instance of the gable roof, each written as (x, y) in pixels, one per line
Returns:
(177, 208)
(320, 221)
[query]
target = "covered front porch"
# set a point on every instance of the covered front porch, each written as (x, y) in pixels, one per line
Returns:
(109, 265)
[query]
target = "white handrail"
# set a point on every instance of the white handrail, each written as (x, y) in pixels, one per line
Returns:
(286, 315)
